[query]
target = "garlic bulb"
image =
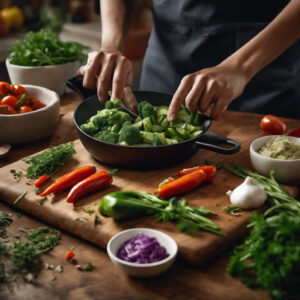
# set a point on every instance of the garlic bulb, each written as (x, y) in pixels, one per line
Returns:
(248, 195)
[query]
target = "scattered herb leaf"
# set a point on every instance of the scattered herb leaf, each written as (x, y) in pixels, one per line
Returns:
(234, 210)
(81, 219)
(42, 200)
(20, 197)
(89, 267)
(97, 221)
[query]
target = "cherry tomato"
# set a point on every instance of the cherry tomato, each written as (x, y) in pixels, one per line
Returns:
(7, 109)
(295, 132)
(5, 88)
(24, 109)
(36, 104)
(19, 90)
(10, 100)
(273, 125)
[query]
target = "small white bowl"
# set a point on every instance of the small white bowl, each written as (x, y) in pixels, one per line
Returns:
(34, 125)
(286, 171)
(51, 77)
(142, 270)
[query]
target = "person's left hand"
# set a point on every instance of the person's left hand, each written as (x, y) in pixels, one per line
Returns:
(212, 88)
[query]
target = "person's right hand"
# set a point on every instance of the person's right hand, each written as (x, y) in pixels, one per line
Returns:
(105, 69)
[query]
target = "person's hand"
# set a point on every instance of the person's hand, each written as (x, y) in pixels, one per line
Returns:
(106, 69)
(212, 88)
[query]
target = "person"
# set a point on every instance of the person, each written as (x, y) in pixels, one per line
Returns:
(212, 55)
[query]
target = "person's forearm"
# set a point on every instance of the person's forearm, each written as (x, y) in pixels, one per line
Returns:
(281, 33)
(115, 19)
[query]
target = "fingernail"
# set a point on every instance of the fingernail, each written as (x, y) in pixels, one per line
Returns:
(171, 117)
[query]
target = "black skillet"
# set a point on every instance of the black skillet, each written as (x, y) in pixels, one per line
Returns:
(142, 157)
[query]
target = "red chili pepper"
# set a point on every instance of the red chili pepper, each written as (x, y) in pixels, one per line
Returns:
(182, 184)
(210, 171)
(69, 180)
(89, 185)
(69, 255)
(40, 181)
(295, 132)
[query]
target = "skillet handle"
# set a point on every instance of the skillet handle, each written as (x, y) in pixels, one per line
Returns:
(75, 84)
(210, 141)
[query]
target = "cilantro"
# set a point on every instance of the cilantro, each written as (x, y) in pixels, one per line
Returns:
(87, 210)
(37, 191)
(42, 200)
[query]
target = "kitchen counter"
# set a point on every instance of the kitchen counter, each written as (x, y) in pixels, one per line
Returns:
(108, 282)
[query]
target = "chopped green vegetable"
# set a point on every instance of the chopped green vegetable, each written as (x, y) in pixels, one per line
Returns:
(49, 161)
(87, 210)
(59, 269)
(5, 219)
(80, 219)
(37, 191)
(89, 267)
(20, 197)
(97, 221)
(42, 200)
(150, 128)
(44, 48)
(234, 210)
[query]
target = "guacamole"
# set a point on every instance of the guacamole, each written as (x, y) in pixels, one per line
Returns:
(281, 147)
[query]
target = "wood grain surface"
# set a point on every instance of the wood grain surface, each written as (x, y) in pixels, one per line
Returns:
(183, 281)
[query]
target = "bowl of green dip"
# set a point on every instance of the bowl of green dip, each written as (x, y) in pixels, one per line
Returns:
(279, 153)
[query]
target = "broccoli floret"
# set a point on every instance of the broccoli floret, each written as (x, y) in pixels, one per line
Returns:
(145, 110)
(89, 128)
(102, 118)
(119, 118)
(107, 136)
(130, 135)
(116, 103)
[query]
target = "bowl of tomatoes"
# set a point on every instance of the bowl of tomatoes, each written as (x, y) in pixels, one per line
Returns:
(27, 113)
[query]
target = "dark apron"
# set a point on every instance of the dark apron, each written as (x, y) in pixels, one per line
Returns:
(189, 35)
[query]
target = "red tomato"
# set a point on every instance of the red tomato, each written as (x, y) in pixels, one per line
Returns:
(5, 87)
(295, 132)
(273, 125)
(7, 109)
(25, 109)
(37, 104)
(19, 90)
(10, 100)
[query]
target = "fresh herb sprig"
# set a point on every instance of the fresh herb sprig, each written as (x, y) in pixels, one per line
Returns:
(44, 48)
(49, 161)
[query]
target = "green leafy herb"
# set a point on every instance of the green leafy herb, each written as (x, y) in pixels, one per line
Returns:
(37, 191)
(234, 210)
(18, 215)
(42, 200)
(44, 48)
(5, 219)
(13, 171)
(270, 256)
(80, 219)
(59, 269)
(20, 197)
(113, 172)
(89, 267)
(97, 221)
(49, 161)
(87, 210)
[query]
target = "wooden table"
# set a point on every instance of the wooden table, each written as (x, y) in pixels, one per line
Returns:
(106, 281)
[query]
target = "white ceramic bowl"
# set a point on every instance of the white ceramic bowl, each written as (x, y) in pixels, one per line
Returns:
(51, 77)
(286, 171)
(142, 270)
(31, 126)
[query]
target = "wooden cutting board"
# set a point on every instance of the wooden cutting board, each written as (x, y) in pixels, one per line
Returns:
(196, 249)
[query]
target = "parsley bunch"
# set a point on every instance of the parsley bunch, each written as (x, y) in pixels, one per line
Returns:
(270, 256)
(49, 161)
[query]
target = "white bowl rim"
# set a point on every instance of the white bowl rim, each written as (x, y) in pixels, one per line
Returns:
(267, 158)
(137, 265)
(55, 97)
(35, 67)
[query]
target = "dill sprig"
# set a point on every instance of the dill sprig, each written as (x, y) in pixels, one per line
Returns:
(49, 161)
